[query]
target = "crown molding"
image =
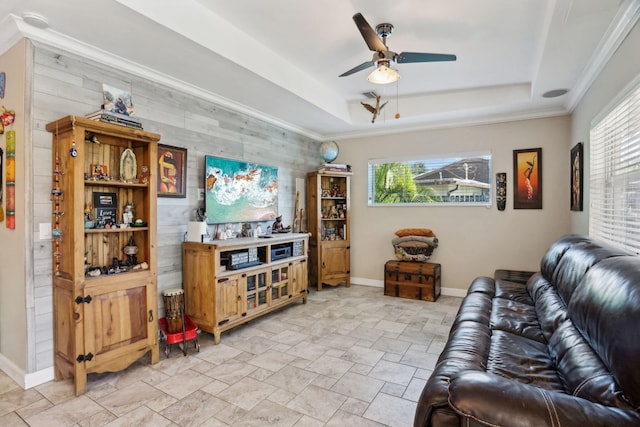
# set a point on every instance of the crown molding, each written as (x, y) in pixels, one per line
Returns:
(14, 28)
(616, 33)
(460, 120)
(9, 34)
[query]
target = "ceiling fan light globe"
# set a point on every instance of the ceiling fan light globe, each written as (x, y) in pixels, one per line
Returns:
(383, 75)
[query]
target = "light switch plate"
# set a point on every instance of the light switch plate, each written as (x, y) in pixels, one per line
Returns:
(45, 231)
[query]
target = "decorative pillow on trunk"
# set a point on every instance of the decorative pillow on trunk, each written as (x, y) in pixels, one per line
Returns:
(415, 232)
(414, 244)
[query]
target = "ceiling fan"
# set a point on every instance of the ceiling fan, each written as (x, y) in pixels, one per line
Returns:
(383, 58)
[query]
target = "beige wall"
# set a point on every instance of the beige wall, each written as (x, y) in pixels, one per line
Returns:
(473, 240)
(622, 68)
(13, 303)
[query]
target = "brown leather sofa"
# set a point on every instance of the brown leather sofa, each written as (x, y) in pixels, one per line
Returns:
(559, 349)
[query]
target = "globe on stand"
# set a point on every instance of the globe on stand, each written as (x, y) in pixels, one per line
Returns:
(329, 151)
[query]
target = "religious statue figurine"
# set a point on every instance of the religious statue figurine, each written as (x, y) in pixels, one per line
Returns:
(128, 166)
(127, 215)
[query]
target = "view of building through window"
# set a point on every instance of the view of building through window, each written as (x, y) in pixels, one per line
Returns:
(460, 180)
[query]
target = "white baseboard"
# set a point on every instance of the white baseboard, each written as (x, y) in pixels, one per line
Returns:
(39, 377)
(452, 292)
(23, 379)
(367, 282)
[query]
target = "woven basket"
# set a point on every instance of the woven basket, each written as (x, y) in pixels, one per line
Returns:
(414, 248)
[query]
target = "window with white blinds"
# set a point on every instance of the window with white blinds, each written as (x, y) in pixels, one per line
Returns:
(614, 213)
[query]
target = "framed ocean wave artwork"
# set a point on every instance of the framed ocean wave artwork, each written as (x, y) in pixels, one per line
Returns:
(238, 191)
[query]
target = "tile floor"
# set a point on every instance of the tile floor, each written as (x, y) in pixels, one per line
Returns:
(349, 357)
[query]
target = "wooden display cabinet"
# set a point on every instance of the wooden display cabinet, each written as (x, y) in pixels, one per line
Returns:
(328, 221)
(105, 322)
(221, 294)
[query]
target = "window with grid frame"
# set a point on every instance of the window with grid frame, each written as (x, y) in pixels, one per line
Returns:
(614, 213)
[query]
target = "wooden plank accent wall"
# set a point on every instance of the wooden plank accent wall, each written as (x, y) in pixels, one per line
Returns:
(66, 84)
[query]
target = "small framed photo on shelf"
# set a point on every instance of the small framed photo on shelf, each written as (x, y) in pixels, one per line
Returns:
(172, 171)
(105, 205)
(99, 171)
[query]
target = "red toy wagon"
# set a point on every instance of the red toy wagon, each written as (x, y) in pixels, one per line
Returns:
(189, 332)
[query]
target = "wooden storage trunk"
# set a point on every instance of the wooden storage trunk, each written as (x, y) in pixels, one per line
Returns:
(410, 279)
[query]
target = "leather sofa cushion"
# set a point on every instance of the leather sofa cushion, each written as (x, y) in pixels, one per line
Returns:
(483, 285)
(485, 399)
(581, 369)
(466, 350)
(537, 286)
(576, 261)
(556, 251)
(524, 360)
(470, 350)
(551, 311)
(513, 291)
(516, 318)
(605, 309)
(476, 307)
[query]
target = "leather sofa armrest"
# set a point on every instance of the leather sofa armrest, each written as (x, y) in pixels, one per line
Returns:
(497, 401)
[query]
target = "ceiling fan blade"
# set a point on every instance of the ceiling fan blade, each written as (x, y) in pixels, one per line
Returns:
(407, 57)
(368, 34)
(360, 67)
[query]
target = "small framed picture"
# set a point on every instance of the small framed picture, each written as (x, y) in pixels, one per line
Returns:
(527, 178)
(172, 171)
(577, 164)
(105, 200)
(99, 171)
(105, 205)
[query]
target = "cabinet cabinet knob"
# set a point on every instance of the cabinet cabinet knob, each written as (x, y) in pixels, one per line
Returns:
(85, 300)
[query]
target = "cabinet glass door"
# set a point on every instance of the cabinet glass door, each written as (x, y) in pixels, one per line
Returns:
(256, 286)
(280, 279)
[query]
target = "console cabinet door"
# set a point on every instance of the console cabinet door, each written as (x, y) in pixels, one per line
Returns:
(229, 302)
(300, 277)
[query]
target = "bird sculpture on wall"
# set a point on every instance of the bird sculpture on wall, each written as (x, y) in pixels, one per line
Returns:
(374, 110)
